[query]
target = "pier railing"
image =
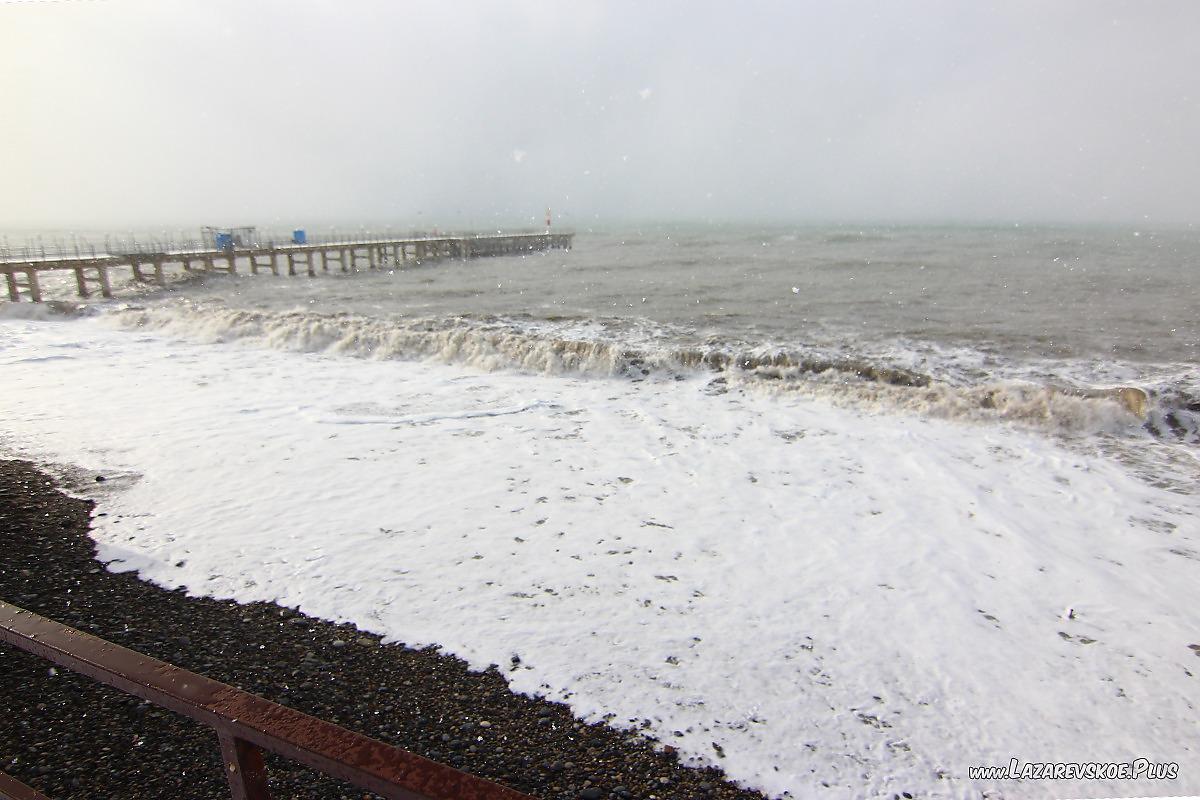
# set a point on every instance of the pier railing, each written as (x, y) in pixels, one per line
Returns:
(245, 724)
(147, 261)
(91, 246)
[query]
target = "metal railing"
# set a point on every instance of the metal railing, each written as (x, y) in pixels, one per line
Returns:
(246, 724)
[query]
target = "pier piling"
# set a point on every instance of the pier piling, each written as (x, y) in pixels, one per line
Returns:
(149, 263)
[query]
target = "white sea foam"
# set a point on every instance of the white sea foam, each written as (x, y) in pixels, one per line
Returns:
(940, 383)
(842, 602)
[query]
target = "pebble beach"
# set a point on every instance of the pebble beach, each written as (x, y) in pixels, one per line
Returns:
(70, 737)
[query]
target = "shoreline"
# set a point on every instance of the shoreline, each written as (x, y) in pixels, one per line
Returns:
(420, 700)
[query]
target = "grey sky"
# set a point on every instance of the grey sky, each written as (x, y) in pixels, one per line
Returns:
(131, 113)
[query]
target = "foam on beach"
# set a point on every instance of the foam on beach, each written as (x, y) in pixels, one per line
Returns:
(812, 597)
(938, 385)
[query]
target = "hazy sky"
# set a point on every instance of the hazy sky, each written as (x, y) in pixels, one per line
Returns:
(291, 113)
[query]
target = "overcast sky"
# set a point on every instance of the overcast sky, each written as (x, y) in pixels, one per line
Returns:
(290, 113)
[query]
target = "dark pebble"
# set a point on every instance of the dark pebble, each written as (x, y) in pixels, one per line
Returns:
(70, 737)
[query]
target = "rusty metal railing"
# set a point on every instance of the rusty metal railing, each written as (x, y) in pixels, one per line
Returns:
(245, 724)
(13, 789)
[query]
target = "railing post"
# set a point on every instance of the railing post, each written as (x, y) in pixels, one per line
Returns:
(244, 768)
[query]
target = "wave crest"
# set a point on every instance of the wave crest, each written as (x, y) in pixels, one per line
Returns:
(592, 348)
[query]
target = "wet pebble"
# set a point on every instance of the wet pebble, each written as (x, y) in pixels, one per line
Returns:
(93, 741)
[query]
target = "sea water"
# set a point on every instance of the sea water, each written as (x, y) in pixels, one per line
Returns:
(834, 509)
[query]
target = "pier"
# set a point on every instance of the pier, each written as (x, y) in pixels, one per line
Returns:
(152, 263)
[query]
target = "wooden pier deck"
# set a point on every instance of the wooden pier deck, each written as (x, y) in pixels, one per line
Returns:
(93, 272)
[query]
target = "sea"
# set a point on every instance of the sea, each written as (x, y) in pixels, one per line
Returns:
(845, 509)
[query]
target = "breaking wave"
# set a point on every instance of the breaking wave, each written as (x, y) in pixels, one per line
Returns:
(615, 348)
